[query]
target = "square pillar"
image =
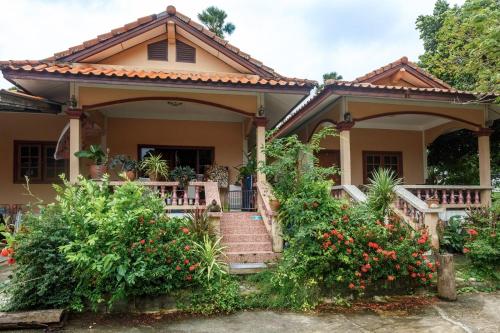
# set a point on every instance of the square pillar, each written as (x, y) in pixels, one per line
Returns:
(483, 145)
(344, 129)
(75, 142)
(260, 133)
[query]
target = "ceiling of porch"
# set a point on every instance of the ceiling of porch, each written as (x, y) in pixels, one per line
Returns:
(171, 110)
(410, 122)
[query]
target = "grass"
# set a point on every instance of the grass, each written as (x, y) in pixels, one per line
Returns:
(469, 279)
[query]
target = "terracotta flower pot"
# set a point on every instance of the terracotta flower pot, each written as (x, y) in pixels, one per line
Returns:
(97, 171)
(275, 204)
(130, 175)
(153, 177)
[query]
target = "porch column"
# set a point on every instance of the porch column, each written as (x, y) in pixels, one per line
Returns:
(483, 145)
(260, 133)
(75, 142)
(344, 129)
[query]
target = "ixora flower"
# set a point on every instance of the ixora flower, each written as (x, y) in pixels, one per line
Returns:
(177, 268)
(11, 261)
(5, 252)
(186, 262)
(465, 250)
(185, 230)
(187, 247)
(142, 241)
(472, 232)
(351, 285)
(391, 278)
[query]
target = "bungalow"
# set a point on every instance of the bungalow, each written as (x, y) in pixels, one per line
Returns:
(168, 85)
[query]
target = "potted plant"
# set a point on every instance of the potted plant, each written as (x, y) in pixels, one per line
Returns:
(100, 159)
(155, 167)
(128, 167)
(168, 199)
(183, 174)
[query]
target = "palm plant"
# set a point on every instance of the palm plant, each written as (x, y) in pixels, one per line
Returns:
(211, 253)
(381, 190)
(214, 18)
(199, 223)
(155, 167)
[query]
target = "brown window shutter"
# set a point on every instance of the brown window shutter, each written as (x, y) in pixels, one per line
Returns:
(158, 51)
(184, 52)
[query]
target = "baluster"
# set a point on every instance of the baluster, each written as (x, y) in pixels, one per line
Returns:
(460, 197)
(444, 200)
(452, 197)
(468, 198)
(398, 203)
(162, 192)
(477, 200)
(418, 194)
(427, 195)
(185, 201)
(405, 208)
(196, 195)
(174, 195)
(435, 195)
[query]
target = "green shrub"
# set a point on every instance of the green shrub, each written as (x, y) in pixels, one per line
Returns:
(42, 278)
(216, 296)
(454, 235)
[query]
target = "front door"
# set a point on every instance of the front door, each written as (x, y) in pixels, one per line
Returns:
(328, 158)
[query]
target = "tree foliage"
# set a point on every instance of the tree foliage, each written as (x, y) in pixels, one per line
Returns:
(214, 18)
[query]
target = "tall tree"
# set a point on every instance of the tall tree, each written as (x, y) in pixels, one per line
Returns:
(461, 47)
(329, 76)
(214, 18)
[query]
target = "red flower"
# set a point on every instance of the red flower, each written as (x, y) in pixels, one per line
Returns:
(375, 259)
(11, 261)
(398, 267)
(178, 268)
(4, 252)
(185, 230)
(413, 275)
(189, 277)
(358, 274)
(362, 287)
(391, 278)
(424, 279)
(333, 247)
(430, 276)
(414, 254)
(373, 245)
(429, 264)
(472, 232)
(466, 250)
(187, 248)
(142, 241)
(326, 235)
(186, 262)
(151, 241)
(418, 263)
(345, 218)
(351, 285)
(349, 250)
(192, 268)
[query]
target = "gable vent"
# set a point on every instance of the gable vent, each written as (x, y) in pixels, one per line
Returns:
(158, 50)
(184, 52)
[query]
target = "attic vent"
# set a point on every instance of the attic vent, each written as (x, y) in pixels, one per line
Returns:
(158, 50)
(184, 52)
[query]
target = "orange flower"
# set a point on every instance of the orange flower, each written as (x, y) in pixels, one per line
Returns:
(466, 250)
(4, 252)
(178, 268)
(142, 241)
(472, 232)
(185, 230)
(11, 261)
(186, 262)
(391, 278)
(351, 285)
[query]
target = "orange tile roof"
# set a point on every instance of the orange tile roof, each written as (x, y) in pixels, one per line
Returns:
(170, 12)
(120, 71)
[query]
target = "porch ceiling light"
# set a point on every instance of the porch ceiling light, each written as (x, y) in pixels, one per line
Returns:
(174, 103)
(347, 117)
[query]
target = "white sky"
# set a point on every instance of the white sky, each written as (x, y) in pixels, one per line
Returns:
(298, 38)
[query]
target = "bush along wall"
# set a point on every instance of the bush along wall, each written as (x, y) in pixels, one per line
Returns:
(94, 246)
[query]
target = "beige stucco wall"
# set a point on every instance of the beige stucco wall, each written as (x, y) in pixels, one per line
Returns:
(124, 135)
(16, 126)
(407, 142)
(138, 56)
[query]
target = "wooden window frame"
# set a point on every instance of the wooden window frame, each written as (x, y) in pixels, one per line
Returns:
(193, 61)
(163, 43)
(211, 148)
(399, 154)
(42, 163)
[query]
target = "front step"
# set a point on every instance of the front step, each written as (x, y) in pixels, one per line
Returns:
(250, 268)
(247, 246)
(252, 256)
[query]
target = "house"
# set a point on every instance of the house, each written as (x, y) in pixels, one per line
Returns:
(166, 84)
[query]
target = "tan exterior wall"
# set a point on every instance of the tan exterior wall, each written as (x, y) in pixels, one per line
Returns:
(407, 142)
(92, 95)
(124, 135)
(138, 56)
(15, 126)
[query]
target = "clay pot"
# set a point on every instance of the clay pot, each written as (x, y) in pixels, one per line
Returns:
(130, 175)
(153, 177)
(275, 204)
(97, 171)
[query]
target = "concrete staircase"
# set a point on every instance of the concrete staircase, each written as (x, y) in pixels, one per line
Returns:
(246, 239)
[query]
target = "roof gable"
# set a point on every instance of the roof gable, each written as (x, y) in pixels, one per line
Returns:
(148, 27)
(402, 73)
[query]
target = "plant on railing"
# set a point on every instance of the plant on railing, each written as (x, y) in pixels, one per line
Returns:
(183, 175)
(100, 158)
(127, 166)
(381, 187)
(155, 167)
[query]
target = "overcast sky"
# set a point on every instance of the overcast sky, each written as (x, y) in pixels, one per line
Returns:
(299, 38)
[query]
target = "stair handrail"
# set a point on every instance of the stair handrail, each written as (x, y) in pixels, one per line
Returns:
(269, 216)
(352, 192)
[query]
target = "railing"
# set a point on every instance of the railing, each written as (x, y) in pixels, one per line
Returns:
(197, 195)
(352, 192)
(242, 200)
(417, 213)
(264, 196)
(452, 196)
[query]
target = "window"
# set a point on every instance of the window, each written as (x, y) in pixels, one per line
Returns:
(36, 161)
(184, 52)
(388, 160)
(198, 158)
(158, 51)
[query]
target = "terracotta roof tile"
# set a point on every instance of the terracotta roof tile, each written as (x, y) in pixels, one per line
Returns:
(110, 71)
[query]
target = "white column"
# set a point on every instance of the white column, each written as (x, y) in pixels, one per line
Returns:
(424, 157)
(75, 143)
(345, 153)
(483, 144)
(260, 133)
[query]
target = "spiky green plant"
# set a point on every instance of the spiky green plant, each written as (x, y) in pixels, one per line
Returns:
(155, 166)
(381, 190)
(199, 223)
(211, 254)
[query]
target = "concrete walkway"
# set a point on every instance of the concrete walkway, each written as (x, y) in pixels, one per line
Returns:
(472, 313)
